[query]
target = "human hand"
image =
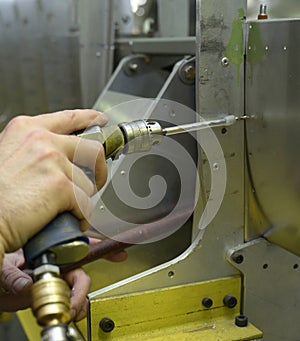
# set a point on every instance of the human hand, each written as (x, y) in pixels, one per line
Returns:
(15, 286)
(38, 179)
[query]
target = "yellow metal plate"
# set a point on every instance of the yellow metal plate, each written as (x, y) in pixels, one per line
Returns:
(174, 312)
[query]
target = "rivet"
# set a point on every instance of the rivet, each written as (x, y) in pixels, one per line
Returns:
(225, 61)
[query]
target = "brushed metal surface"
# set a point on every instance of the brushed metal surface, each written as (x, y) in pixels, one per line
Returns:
(39, 57)
(272, 102)
(53, 54)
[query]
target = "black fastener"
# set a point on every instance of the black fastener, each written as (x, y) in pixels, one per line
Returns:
(107, 324)
(237, 258)
(230, 301)
(241, 321)
(207, 302)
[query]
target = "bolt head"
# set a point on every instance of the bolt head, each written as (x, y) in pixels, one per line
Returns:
(237, 258)
(107, 324)
(189, 73)
(230, 301)
(241, 321)
(207, 302)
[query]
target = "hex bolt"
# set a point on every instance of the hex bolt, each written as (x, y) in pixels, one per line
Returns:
(107, 324)
(230, 301)
(237, 258)
(207, 302)
(189, 72)
(241, 321)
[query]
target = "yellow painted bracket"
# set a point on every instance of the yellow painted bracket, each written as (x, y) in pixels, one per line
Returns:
(173, 313)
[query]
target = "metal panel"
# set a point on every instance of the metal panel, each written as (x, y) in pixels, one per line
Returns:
(271, 288)
(38, 57)
(168, 10)
(96, 47)
(272, 101)
(53, 54)
(166, 46)
(175, 313)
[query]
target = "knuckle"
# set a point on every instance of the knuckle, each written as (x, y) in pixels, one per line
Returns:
(37, 135)
(70, 114)
(18, 121)
(49, 156)
(62, 184)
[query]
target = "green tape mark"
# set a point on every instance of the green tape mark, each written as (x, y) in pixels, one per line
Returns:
(235, 48)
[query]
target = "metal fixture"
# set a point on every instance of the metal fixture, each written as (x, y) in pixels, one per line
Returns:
(230, 301)
(237, 258)
(107, 324)
(207, 302)
(241, 321)
(262, 12)
(225, 61)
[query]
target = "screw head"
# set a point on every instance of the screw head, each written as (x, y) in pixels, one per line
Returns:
(230, 301)
(189, 73)
(107, 324)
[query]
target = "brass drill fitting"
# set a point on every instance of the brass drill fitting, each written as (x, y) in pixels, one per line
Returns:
(50, 299)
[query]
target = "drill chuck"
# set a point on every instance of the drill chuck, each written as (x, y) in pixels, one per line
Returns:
(140, 135)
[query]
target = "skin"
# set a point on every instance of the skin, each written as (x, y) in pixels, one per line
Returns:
(38, 181)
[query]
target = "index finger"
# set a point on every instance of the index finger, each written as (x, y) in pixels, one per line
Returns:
(69, 121)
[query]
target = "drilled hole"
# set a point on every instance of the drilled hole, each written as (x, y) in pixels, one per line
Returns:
(171, 274)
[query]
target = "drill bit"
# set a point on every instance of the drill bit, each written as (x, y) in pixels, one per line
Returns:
(189, 127)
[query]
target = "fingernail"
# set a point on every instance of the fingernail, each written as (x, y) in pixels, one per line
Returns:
(21, 283)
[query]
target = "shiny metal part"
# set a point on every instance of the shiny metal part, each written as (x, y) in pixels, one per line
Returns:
(273, 134)
(263, 9)
(50, 298)
(60, 332)
(184, 128)
(271, 276)
(141, 135)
